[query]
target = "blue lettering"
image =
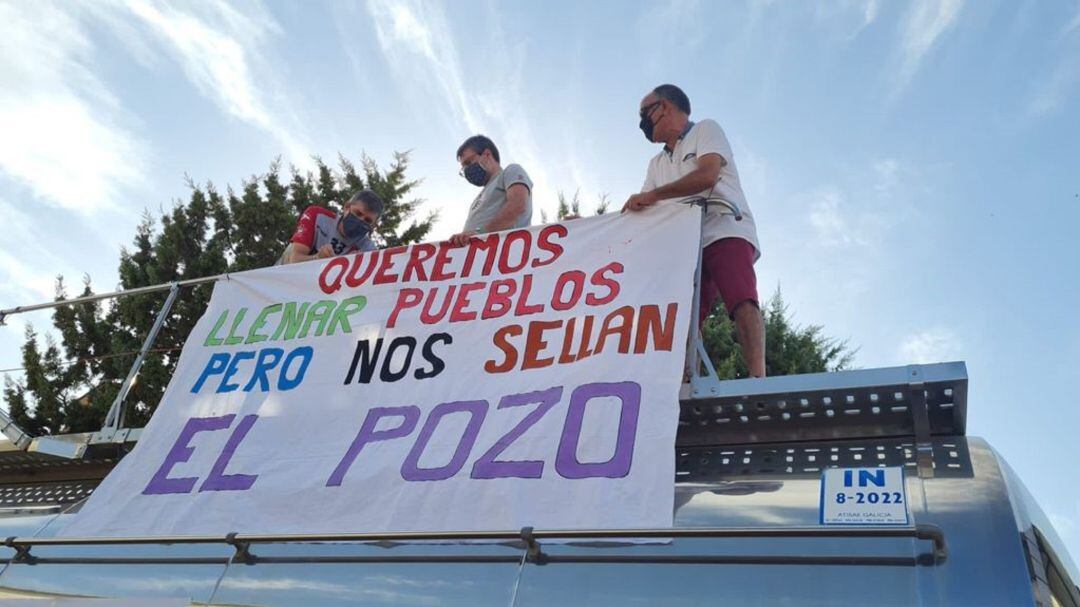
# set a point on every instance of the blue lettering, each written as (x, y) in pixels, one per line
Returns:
(876, 477)
(225, 386)
(304, 354)
(268, 359)
(214, 366)
(290, 367)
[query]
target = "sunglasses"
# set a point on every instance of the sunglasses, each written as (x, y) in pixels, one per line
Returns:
(647, 110)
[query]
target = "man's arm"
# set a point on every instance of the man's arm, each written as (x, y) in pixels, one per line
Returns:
(701, 178)
(296, 252)
(516, 195)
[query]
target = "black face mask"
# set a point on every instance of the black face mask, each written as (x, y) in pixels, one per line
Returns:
(355, 228)
(646, 127)
(476, 175)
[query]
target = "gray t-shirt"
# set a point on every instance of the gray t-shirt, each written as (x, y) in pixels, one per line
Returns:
(493, 197)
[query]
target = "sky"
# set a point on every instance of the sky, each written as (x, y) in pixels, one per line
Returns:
(912, 167)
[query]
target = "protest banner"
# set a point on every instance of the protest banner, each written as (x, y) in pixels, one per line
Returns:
(529, 378)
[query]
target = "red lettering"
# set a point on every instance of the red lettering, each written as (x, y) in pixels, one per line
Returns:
(568, 337)
(407, 298)
(426, 316)
(459, 314)
(586, 333)
(649, 323)
(600, 280)
(501, 341)
(352, 279)
(622, 329)
(441, 259)
(535, 344)
(332, 285)
(419, 254)
(523, 308)
(384, 276)
(574, 278)
(490, 245)
(543, 242)
(525, 237)
(498, 302)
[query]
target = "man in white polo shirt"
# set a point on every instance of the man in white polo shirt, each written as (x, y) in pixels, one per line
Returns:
(697, 161)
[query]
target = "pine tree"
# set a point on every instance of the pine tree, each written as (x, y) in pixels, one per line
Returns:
(789, 349)
(207, 235)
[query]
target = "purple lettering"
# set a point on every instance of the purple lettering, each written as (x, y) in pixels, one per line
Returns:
(368, 434)
(477, 410)
(181, 452)
(218, 480)
(566, 461)
(487, 466)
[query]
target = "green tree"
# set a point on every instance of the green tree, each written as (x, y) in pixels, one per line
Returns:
(570, 206)
(70, 387)
(789, 349)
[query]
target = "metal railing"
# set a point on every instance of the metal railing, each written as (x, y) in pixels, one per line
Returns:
(527, 538)
(113, 428)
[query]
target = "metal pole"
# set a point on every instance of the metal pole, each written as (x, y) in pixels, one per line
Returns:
(98, 297)
(115, 418)
(693, 358)
(243, 542)
(14, 432)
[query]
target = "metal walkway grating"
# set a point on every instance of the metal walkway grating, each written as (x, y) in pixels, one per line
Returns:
(45, 493)
(702, 464)
(872, 403)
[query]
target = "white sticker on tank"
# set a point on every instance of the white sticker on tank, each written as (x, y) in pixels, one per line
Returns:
(863, 496)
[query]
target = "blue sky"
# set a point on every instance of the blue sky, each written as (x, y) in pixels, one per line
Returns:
(913, 167)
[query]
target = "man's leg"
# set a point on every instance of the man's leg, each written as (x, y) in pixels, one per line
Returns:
(730, 262)
(750, 331)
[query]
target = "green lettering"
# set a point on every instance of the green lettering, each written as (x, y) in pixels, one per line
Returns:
(318, 313)
(233, 338)
(345, 309)
(291, 316)
(212, 339)
(253, 336)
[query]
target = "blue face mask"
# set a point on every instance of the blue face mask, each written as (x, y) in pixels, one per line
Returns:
(476, 175)
(355, 228)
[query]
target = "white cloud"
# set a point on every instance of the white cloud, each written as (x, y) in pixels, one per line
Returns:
(840, 14)
(62, 134)
(674, 25)
(924, 25)
(1072, 26)
(1053, 89)
(930, 346)
(221, 51)
(888, 174)
(418, 43)
(832, 220)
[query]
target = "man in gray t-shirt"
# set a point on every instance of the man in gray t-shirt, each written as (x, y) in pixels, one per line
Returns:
(505, 202)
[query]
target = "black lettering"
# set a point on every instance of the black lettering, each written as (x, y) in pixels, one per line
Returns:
(437, 364)
(366, 359)
(385, 374)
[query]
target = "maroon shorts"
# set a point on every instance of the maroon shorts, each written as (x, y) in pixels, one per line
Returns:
(727, 272)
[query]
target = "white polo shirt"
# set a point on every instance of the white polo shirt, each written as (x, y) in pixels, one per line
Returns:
(706, 137)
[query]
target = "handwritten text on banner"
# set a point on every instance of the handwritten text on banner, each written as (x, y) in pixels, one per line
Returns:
(530, 378)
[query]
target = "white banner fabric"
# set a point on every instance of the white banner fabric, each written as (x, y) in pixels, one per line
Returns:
(528, 379)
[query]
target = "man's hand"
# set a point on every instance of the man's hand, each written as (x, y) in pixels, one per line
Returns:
(639, 202)
(326, 251)
(462, 239)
